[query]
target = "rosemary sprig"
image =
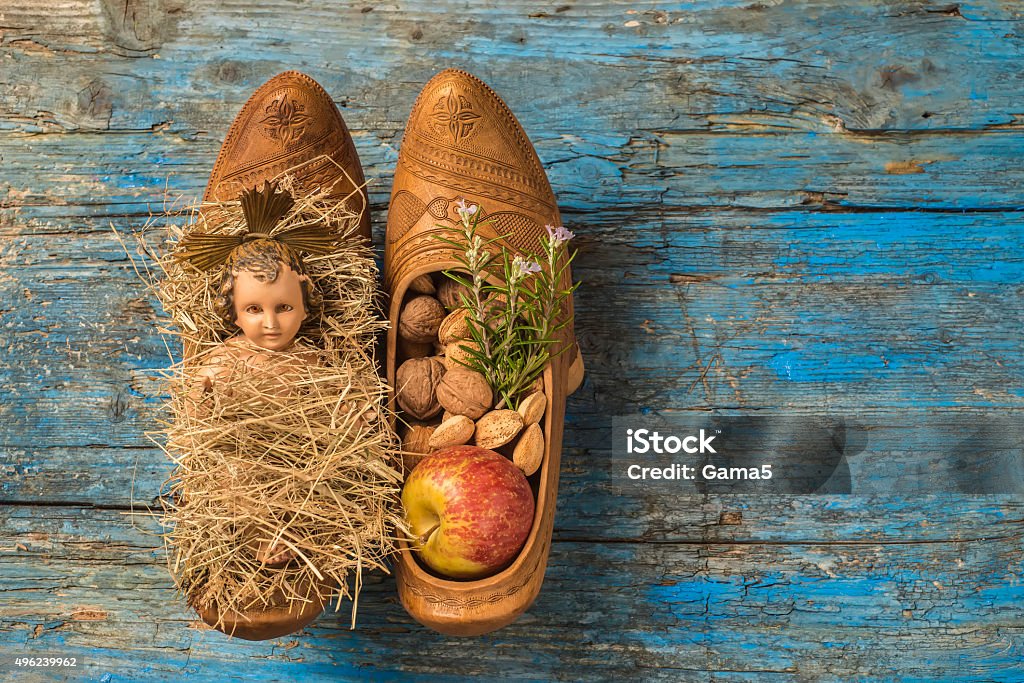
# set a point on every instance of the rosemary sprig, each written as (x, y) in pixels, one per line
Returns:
(514, 323)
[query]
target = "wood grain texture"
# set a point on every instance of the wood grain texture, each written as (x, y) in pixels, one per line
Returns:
(782, 208)
(792, 611)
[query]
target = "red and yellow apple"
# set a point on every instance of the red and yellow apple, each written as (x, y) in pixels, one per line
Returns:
(469, 509)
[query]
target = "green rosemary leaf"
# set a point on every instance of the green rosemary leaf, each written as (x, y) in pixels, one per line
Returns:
(455, 244)
(458, 278)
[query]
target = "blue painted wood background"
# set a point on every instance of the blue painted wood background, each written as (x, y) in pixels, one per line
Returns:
(781, 206)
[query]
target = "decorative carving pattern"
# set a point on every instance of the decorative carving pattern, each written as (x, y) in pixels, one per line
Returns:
(473, 163)
(471, 185)
(285, 120)
(421, 249)
(453, 114)
(521, 231)
(289, 124)
(438, 208)
(470, 602)
(405, 210)
(303, 162)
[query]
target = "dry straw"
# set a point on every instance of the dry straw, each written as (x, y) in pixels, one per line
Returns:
(293, 456)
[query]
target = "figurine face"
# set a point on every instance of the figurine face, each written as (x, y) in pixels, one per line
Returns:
(269, 313)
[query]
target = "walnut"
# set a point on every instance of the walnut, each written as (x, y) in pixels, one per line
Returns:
(417, 380)
(420, 318)
(450, 293)
(464, 392)
(415, 444)
(410, 349)
(422, 285)
(415, 438)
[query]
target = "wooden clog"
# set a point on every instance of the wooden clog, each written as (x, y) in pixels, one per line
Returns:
(289, 124)
(273, 622)
(462, 143)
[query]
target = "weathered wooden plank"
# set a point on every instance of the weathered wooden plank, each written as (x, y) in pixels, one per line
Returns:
(929, 507)
(797, 612)
(590, 508)
(52, 180)
(590, 66)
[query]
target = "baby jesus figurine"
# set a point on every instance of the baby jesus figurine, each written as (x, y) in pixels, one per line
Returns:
(286, 482)
(266, 293)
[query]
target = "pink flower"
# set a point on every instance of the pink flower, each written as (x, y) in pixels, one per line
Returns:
(524, 267)
(558, 236)
(466, 211)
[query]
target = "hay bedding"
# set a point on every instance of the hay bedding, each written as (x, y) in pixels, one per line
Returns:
(293, 456)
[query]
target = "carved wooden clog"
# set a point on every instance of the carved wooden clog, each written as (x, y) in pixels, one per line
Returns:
(289, 124)
(462, 142)
(274, 622)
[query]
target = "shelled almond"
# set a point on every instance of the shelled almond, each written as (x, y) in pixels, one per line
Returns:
(532, 407)
(450, 293)
(497, 428)
(454, 431)
(529, 451)
(454, 327)
(458, 353)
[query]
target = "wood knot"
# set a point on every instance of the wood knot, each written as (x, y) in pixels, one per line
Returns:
(730, 518)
